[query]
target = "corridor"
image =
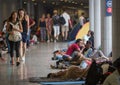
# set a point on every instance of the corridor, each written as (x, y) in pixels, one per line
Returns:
(37, 64)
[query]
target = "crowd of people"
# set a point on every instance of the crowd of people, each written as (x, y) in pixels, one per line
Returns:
(17, 33)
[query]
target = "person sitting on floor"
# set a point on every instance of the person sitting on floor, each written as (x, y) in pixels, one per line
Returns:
(114, 78)
(34, 39)
(71, 51)
(87, 52)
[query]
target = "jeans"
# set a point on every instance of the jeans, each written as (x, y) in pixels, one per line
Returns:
(43, 33)
(7, 41)
(28, 38)
(16, 46)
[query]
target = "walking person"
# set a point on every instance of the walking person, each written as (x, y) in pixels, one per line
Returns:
(42, 25)
(65, 27)
(14, 29)
(56, 25)
(82, 19)
(31, 24)
(24, 19)
(49, 27)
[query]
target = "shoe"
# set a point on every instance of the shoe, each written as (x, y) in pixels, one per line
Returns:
(17, 63)
(48, 41)
(23, 58)
(12, 62)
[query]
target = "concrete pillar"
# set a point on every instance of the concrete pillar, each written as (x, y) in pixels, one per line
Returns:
(116, 29)
(28, 7)
(91, 14)
(97, 24)
(106, 25)
(20, 3)
(107, 35)
(32, 12)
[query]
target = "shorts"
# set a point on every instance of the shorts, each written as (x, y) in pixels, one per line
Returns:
(24, 37)
(65, 28)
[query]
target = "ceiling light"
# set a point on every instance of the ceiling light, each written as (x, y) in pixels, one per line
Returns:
(76, 3)
(61, 0)
(73, 2)
(53, 2)
(65, 0)
(35, 3)
(25, 2)
(44, 1)
(81, 4)
(33, 0)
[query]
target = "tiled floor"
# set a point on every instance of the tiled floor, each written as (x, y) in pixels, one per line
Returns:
(38, 60)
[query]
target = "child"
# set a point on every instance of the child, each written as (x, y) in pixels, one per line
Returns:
(34, 39)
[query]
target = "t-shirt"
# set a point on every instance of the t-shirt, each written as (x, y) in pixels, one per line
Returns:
(72, 48)
(67, 18)
(82, 20)
(34, 38)
(88, 52)
(55, 19)
(86, 38)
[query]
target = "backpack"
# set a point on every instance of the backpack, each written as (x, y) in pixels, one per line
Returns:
(62, 20)
(94, 74)
(17, 35)
(55, 20)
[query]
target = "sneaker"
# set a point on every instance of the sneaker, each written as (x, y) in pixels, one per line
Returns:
(23, 58)
(12, 62)
(48, 41)
(17, 63)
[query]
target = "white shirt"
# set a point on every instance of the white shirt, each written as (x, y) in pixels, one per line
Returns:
(81, 20)
(67, 18)
(34, 38)
(4, 28)
(86, 38)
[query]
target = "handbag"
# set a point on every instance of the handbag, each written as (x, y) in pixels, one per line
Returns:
(16, 36)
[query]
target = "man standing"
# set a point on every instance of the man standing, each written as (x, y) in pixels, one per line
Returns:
(56, 25)
(82, 19)
(65, 27)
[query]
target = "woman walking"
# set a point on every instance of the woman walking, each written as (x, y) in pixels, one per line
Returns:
(42, 25)
(24, 19)
(14, 29)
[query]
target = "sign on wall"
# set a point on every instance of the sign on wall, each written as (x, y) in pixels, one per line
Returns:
(108, 7)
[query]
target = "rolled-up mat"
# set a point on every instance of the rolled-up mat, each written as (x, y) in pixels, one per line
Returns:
(63, 82)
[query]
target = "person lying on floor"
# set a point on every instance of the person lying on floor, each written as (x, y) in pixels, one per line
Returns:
(79, 60)
(73, 72)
